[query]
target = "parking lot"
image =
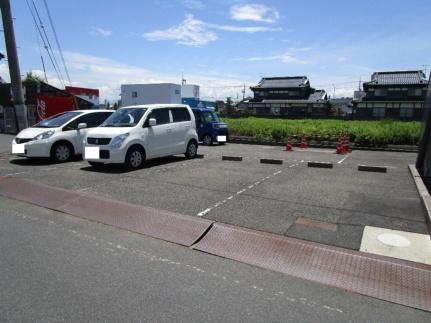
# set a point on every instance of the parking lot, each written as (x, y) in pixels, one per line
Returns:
(330, 206)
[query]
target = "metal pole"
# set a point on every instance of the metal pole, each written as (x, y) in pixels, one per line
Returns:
(12, 56)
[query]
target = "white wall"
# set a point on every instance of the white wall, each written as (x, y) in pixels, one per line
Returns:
(150, 93)
(190, 91)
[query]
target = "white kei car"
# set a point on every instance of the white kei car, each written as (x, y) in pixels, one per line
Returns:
(59, 137)
(134, 134)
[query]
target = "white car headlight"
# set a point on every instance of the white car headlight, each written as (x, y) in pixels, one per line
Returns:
(44, 135)
(118, 141)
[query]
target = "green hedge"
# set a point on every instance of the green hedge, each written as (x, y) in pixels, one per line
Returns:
(368, 133)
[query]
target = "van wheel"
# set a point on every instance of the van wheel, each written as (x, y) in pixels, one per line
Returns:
(135, 157)
(61, 152)
(192, 150)
(207, 140)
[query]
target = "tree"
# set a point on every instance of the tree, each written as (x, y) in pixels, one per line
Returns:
(30, 78)
(229, 106)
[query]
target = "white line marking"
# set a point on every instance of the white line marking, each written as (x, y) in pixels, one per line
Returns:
(204, 212)
(343, 159)
(12, 174)
(237, 193)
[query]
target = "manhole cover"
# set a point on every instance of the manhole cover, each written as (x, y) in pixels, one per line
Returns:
(394, 240)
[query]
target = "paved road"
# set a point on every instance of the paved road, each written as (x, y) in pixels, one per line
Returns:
(55, 267)
(283, 199)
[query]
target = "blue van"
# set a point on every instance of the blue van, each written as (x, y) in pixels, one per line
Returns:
(209, 127)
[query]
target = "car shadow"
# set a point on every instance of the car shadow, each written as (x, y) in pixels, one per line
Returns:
(22, 161)
(119, 169)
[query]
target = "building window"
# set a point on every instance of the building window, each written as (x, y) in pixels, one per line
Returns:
(379, 112)
(134, 94)
(177, 91)
(415, 92)
(380, 92)
(406, 113)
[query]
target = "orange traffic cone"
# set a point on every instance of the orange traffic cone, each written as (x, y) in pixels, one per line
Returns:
(339, 150)
(349, 149)
(303, 144)
(289, 145)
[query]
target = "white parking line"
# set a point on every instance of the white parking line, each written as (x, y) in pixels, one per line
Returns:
(202, 213)
(343, 159)
(12, 174)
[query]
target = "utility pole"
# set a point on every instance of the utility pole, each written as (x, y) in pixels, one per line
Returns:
(15, 75)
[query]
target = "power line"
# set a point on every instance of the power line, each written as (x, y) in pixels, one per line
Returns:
(47, 44)
(56, 40)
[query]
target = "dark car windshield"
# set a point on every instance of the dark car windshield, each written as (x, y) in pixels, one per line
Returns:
(126, 117)
(58, 120)
(210, 116)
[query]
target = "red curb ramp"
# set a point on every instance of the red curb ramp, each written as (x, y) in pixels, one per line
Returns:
(389, 279)
(169, 226)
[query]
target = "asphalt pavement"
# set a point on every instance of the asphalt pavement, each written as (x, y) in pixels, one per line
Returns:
(330, 206)
(56, 267)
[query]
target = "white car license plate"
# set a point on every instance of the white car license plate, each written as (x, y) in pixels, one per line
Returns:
(18, 148)
(92, 153)
(221, 138)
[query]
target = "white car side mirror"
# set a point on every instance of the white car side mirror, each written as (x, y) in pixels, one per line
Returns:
(152, 122)
(82, 126)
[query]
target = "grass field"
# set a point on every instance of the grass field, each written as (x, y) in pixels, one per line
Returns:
(371, 133)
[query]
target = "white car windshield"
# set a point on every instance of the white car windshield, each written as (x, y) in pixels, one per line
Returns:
(58, 120)
(129, 117)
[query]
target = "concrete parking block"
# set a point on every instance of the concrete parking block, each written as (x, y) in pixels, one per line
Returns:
(232, 158)
(375, 169)
(320, 164)
(271, 161)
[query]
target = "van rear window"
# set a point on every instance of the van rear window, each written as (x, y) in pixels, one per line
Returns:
(180, 114)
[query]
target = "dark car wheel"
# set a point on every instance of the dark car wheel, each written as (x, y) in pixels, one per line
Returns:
(135, 158)
(207, 140)
(61, 152)
(192, 150)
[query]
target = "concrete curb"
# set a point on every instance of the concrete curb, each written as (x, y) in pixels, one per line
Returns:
(424, 194)
(375, 169)
(320, 164)
(253, 141)
(271, 161)
(232, 158)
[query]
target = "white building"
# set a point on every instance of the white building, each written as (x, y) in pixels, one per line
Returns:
(133, 94)
(190, 91)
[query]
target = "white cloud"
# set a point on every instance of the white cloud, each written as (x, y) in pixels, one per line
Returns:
(107, 75)
(4, 72)
(286, 58)
(254, 12)
(195, 32)
(250, 29)
(190, 32)
(193, 4)
(97, 31)
(341, 59)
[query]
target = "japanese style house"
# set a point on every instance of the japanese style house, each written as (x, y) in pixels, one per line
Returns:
(394, 95)
(289, 97)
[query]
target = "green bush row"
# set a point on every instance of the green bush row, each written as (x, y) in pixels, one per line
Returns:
(370, 133)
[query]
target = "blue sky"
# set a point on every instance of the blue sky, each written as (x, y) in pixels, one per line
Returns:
(224, 44)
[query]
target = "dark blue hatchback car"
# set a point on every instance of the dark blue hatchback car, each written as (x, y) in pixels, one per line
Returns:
(209, 127)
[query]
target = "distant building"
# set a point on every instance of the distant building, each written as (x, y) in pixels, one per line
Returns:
(288, 97)
(190, 95)
(133, 94)
(42, 100)
(190, 91)
(396, 95)
(91, 95)
(343, 105)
